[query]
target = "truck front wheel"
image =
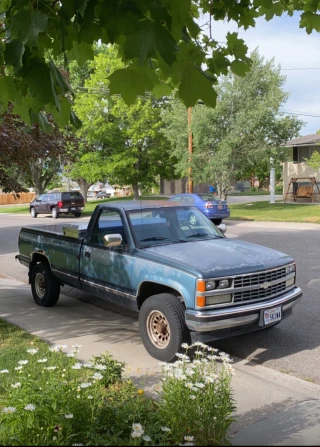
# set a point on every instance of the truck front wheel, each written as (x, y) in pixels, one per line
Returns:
(162, 326)
(45, 288)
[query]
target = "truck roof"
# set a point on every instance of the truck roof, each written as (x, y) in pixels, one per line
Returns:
(142, 204)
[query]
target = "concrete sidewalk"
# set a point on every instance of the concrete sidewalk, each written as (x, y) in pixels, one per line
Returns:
(272, 408)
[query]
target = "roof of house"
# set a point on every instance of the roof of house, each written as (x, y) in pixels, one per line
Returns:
(306, 140)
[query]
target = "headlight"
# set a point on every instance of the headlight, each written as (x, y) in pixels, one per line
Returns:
(210, 285)
(290, 269)
(224, 284)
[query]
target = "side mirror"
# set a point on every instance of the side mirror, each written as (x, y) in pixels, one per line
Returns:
(112, 240)
(222, 227)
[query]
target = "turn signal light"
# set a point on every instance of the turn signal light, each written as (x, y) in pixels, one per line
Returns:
(201, 285)
(201, 301)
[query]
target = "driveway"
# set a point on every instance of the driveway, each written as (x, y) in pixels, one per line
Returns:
(245, 199)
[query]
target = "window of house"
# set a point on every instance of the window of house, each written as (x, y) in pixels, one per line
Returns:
(303, 152)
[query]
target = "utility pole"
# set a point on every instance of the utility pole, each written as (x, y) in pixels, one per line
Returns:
(272, 181)
(190, 182)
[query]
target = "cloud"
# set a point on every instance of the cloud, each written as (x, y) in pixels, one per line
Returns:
(291, 47)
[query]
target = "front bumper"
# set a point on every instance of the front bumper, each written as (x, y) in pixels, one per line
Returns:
(238, 316)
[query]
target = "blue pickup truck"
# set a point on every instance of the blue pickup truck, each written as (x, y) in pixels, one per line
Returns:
(187, 282)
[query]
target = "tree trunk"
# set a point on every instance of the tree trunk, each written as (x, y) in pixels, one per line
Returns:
(84, 187)
(135, 190)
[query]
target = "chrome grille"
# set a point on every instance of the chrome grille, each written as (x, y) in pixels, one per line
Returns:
(259, 278)
(259, 294)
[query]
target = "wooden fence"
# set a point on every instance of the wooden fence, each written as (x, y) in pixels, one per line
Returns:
(10, 199)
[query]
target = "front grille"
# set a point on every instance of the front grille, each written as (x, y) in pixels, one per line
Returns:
(259, 294)
(260, 278)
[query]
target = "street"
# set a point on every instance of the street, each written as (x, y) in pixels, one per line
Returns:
(291, 347)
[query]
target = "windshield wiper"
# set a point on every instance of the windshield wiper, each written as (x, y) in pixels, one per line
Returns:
(204, 234)
(154, 238)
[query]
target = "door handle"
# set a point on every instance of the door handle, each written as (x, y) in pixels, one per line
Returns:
(87, 254)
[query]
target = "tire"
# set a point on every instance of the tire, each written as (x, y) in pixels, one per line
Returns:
(54, 213)
(78, 214)
(217, 221)
(45, 288)
(193, 219)
(165, 308)
(33, 213)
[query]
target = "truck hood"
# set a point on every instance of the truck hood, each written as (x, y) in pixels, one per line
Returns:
(218, 257)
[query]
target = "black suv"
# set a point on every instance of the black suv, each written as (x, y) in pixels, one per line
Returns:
(56, 203)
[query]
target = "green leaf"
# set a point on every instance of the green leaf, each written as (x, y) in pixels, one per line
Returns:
(310, 21)
(13, 54)
(239, 68)
(129, 83)
(44, 123)
(22, 109)
(75, 121)
(161, 90)
(38, 80)
(148, 38)
(7, 91)
(61, 115)
(194, 86)
(81, 52)
(26, 26)
(236, 46)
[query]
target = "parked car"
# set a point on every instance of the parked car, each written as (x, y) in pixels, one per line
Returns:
(187, 282)
(103, 195)
(56, 203)
(213, 208)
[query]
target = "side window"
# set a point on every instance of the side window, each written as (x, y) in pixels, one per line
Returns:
(45, 197)
(40, 198)
(109, 222)
(176, 199)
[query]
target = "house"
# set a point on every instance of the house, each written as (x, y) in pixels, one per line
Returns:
(301, 150)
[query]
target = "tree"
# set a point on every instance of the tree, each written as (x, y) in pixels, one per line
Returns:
(160, 42)
(28, 158)
(244, 129)
(128, 138)
(314, 161)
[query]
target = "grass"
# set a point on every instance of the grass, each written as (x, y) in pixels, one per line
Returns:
(89, 208)
(254, 193)
(277, 212)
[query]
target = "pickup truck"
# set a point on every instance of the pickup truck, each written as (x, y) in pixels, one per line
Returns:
(187, 282)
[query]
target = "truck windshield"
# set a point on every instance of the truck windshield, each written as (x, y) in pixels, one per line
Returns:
(170, 225)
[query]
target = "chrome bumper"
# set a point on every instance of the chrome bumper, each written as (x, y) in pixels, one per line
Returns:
(237, 316)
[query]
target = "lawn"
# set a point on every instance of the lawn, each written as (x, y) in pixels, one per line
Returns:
(277, 212)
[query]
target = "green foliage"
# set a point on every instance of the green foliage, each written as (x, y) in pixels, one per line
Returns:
(314, 161)
(239, 136)
(159, 42)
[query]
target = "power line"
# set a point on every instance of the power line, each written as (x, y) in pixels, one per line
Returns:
(301, 68)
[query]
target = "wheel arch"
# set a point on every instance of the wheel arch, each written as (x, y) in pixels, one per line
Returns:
(150, 288)
(36, 258)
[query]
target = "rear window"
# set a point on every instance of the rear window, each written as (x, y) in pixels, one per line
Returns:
(207, 197)
(71, 195)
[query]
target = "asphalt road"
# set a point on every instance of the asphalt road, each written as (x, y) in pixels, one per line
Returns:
(293, 346)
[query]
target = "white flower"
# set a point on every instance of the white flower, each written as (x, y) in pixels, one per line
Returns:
(137, 427)
(87, 365)
(213, 357)
(182, 356)
(189, 372)
(193, 397)
(58, 348)
(162, 363)
(9, 410)
(185, 346)
(68, 416)
(197, 362)
(199, 353)
(212, 349)
(166, 429)
(77, 366)
(77, 444)
(23, 362)
(17, 368)
(90, 397)
(204, 361)
(4, 371)
(32, 351)
(85, 385)
(189, 438)
(71, 354)
(51, 368)
(167, 367)
(136, 434)
(209, 379)
(97, 376)
(54, 438)
(199, 344)
(177, 363)
(42, 360)
(137, 430)
(199, 385)
(189, 385)
(146, 438)
(30, 407)
(100, 367)
(16, 385)
(76, 346)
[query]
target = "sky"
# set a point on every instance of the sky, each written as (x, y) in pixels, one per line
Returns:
(292, 48)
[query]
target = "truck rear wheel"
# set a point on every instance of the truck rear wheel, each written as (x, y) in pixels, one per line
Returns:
(162, 326)
(45, 288)
(54, 213)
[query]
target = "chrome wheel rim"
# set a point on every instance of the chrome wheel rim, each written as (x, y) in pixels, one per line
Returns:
(40, 285)
(54, 212)
(158, 329)
(193, 219)
(33, 212)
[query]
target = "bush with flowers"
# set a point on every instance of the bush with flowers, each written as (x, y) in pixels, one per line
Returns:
(48, 397)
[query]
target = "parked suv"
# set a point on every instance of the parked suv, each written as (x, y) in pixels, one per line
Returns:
(103, 195)
(56, 203)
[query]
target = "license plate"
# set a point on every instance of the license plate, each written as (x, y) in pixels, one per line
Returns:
(73, 209)
(220, 207)
(272, 315)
